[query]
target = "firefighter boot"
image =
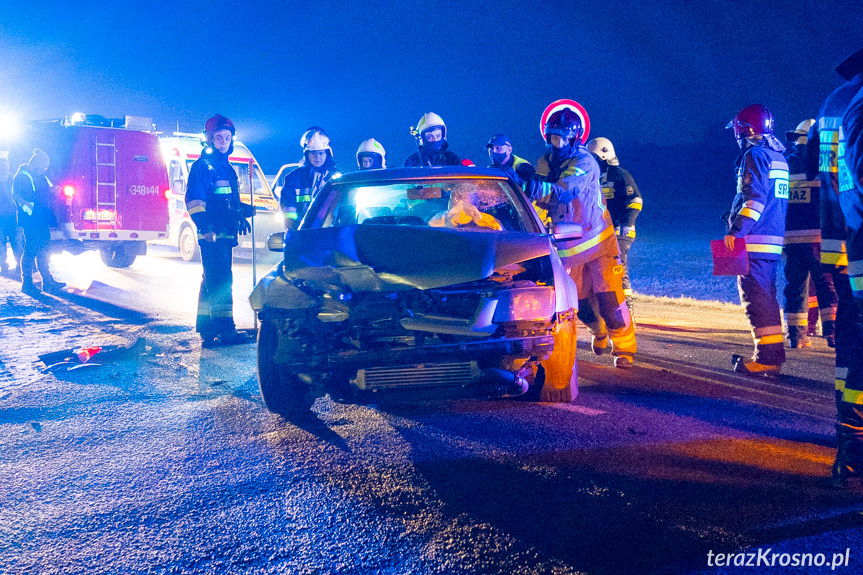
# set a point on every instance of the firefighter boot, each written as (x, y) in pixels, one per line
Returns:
(798, 339)
(828, 332)
(623, 361)
(752, 367)
(28, 287)
(601, 345)
(49, 284)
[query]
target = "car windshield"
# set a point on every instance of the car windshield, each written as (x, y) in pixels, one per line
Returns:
(469, 204)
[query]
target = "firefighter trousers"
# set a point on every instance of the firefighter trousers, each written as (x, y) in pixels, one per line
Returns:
(624, 244)
(601, 303)
(802, 270)
(215, 301)
(849, 382)
(758, 296)
(36, 254)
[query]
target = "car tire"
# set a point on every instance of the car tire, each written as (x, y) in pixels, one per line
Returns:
(560, 371)
(116, 257)
(283, 392)
(187, 243)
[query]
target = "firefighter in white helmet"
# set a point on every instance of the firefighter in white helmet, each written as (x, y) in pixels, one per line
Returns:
(623, 200)
(803, 249)
(430, 133)
(371, 155)
(303, 183)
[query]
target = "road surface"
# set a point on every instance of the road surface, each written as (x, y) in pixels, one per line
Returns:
(169, 463)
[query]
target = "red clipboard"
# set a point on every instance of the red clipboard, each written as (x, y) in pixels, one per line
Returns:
(729, 262)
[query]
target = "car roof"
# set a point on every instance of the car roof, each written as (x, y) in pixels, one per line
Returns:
(420, 173)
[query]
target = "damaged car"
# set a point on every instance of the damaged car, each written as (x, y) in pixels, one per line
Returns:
(417, 283)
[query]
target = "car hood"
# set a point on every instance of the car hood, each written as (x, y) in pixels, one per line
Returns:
(404, 257)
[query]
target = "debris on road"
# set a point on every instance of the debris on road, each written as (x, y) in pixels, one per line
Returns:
(75, 358)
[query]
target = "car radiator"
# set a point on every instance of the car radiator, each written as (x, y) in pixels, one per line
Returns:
(422, 375)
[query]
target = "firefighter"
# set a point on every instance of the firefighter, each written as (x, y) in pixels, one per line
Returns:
(566, 184)
(623, 200)
(758, 216)
(501, 157)
(432, 143)
(371, 155)
(213, 202)
(802, 248)
(8, 221)
(34, 194)
(849, 324)
(303, 183)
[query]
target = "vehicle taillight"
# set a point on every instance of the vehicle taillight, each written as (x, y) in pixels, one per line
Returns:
(69, 192)
(168, 194)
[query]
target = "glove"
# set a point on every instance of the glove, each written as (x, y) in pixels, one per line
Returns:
(243, 226)
(27, 209)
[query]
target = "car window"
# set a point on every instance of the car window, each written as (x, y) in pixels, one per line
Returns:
(469, 204)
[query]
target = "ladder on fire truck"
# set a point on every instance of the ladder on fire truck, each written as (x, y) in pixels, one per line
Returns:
(106, 179)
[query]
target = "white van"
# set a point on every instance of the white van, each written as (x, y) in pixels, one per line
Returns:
(180, 151)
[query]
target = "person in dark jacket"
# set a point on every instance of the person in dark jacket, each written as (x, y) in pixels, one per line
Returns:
(623, 200)
(501, 157)
(758, 216)
(8, 221)
(303, 183)
(431, 140)
(803, 249)
(213, 202)
(34, 194)
(846, 105)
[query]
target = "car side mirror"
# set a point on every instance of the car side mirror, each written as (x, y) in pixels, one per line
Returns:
(564, 232)
(276, 242)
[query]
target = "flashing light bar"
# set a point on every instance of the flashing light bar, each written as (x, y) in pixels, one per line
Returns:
(69, 192)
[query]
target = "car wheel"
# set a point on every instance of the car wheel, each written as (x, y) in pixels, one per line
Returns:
(188, 245)
(559, 373)
(116, 257)
(282, 390)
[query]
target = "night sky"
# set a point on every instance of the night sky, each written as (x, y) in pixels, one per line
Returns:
(657, 78)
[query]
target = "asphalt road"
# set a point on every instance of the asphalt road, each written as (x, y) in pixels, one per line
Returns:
(167, 462)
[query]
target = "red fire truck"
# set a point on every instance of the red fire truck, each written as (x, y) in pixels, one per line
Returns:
(110, 180)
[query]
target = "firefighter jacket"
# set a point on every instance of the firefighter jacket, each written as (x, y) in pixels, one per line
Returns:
(34, 190)
(803, 218)
(851, 191)
(621, 197)
(427, 157)
(213, 196)
(758, 211)
(518, 169)
(569, 190)
(823, 153)
(302, 185)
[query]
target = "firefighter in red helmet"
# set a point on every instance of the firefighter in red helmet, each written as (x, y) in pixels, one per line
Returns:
(566, 184)
(213, 202)
(758, 216)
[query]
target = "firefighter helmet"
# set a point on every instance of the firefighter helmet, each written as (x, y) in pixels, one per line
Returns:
(851, 66)
(604, 150)
(429, 121)
(373, 149)
(309, 133)
(754, 120)
(216, 123)
(800, 134)
(318, 142)
(564, 123)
